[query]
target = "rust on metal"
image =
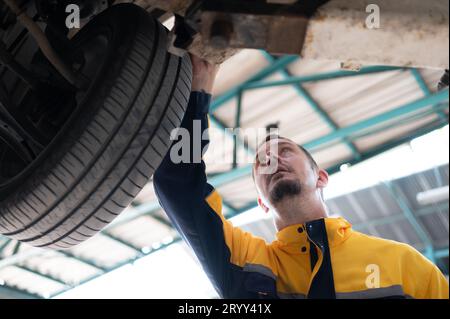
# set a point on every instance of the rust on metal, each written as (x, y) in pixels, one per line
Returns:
(175, 6)
(276, 34)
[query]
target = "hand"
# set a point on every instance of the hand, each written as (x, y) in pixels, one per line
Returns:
(204, 75)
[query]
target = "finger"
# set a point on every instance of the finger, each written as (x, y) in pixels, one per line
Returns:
(194, 58)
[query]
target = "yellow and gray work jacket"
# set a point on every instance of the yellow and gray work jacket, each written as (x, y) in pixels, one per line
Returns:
(320, 259)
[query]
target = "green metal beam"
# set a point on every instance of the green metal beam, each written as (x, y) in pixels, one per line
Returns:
(271, 69)
(161, 220)
(237, 124)
(152, 214)
(405, 120)
(8, 292)
(121, 242)
(441, 253)
(388, 146)
(228, 206)
(231, 176)
(4, 244)
(421, 82)
(21, 256)
(134, 213)
(321, 77)
(93, 264)
(426, 90)
(398, 197)
(435, 99)
(304, 94)
(399, 217)
(383, 127)
(222, 126)
(45, 276)
(17, 247)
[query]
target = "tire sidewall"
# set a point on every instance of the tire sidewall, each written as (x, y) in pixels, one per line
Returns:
(94, 99)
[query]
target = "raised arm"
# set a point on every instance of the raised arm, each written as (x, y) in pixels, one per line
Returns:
(195, 207)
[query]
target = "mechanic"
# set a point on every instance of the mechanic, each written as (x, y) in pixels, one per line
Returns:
(313, 256)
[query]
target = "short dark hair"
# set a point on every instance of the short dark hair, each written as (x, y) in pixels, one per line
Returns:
(270, 137)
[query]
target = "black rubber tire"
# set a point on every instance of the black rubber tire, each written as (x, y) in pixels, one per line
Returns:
(107, 153)
(444, 82)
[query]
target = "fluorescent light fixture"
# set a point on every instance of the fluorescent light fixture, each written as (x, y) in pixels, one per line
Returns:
(433, 196)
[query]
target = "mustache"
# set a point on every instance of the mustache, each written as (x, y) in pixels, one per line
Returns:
(280, 168)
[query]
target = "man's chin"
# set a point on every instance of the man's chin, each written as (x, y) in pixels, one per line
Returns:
(280, 177)
(283, 188)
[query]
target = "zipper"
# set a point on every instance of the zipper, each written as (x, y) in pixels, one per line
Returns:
(319, 261)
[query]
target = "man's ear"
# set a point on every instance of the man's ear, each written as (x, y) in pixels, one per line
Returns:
(261, 204)
(322, 181)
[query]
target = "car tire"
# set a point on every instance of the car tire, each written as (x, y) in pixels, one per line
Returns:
(111, 146)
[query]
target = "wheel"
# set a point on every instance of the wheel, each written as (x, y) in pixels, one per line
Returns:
(110, 146)
(443, 84)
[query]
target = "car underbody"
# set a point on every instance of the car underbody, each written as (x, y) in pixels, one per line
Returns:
(407, 33)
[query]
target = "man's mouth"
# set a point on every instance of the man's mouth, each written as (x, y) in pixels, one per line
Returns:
(278, 174)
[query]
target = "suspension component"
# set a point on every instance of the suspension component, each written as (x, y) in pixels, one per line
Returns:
(7, 59)
(43, 43)
(7, 18)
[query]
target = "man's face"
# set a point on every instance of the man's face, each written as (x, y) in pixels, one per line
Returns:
(291, 172)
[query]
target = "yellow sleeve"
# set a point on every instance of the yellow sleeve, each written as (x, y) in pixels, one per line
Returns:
(245, 248)
(438, 285)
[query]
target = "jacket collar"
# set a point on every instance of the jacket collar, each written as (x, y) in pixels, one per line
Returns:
(338, 230)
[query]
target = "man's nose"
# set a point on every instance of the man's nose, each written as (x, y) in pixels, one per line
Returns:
(271, 157)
